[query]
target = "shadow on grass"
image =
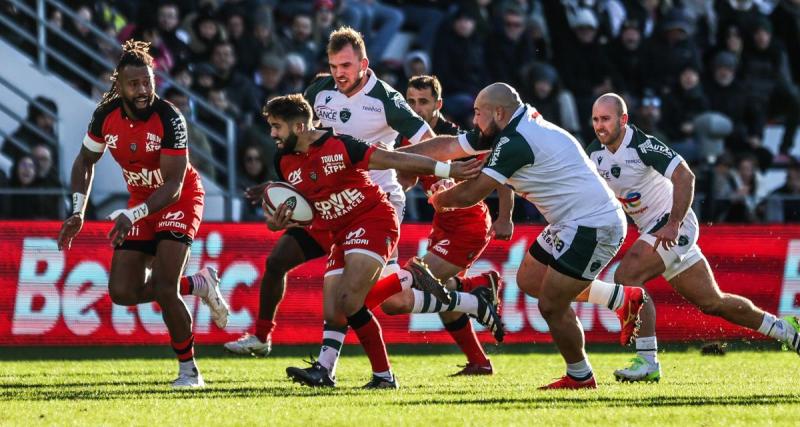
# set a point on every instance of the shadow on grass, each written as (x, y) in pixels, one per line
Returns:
(548, 399)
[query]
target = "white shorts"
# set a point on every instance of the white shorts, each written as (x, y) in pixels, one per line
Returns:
(580, 251)
(683, 255)
(387, 180)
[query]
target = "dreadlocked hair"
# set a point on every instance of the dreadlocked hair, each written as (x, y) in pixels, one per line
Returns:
(134, 53)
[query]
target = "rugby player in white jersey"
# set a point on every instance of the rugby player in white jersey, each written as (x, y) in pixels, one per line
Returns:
(354, 102)
(547, 166)
(656, 187)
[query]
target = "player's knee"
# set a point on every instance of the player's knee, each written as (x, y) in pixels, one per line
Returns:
(392, 307)
(547, 308)
(121, 296)
(712, 306)
(277, 264)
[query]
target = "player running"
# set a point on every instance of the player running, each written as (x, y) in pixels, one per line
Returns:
(147, 137)
(656, 187)
(352, 101)
(365, 229)
(457, 239)
(547, 166)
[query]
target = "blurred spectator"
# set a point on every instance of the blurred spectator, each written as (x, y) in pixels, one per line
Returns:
(253, 170)
(460, 64)
(296, 70)
(257, 42)
(376, 21)
(585, 68)
(765, 70)
(174, 38)
(205, 32)
(238, 31)
(507, 51)
(269, 78)
(324, 23)
(786, 21)
(424, 17)
(218, 98)
(182, 75)
(416, 63)
(682, 104)
(481, 14)
(41, 120)
(732, 42)
(79, 30)
(648, 116)
(301, 42)
(648, 14)
(204, 78)
(629, 56)
(239, 90)
(46, 172)
(789, 194)
(542, 89)
(29, 206)
(672, 50)
(197, 140)
(743, 14)
(727, 95)
(737, 191)
(162, 57)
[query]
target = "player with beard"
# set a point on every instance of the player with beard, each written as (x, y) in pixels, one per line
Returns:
(352, 101)
(364, 233)
(655, 186)
(586, 225)
(147, 138)
(458, 238)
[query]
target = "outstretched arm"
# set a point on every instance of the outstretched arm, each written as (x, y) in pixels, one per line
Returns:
(465, 194)
(443, 147)
(422, 165)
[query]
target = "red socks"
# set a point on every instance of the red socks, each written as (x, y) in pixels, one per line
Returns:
(382, 289)
(186, 286)
(472, 282)
(184, 349)
(463, 334)
(264, 328)
(369, 333)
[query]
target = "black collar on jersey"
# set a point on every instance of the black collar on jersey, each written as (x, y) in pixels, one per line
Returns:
(321, 140)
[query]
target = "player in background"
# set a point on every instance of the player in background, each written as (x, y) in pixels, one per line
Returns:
(547, 166)
(147, 138)
(458, 238)
(656, 188)
(364, 231)
(352, 101)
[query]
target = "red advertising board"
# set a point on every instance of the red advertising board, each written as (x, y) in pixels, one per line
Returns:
(49, 297)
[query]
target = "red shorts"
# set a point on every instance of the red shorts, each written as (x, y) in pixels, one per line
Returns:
(181, 220)
(374, 234)
(460, 242)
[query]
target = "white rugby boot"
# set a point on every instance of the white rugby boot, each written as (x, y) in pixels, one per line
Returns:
(213, 299)
(249, 344)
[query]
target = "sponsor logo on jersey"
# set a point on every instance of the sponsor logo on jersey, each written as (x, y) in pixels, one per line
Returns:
(604, 174)
(339, 204)
(134, 231)
(179, 128)
(616, 170)
(144, 178)
(631, 200)
(371, 108)
(152, 142)
(328, 99)
(655, 148)
(354, 237)
(111, 141)
(326, 114)
(595, 265)
(172, 220)
(683, 240)
(440, 246)
(294, 177)
(345, 115)
(599, 159)
(633, 161)
(133, 147)
(332, 163)
(496, 152)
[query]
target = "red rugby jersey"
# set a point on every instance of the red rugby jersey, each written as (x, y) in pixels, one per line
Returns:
(137, 144)
(333, 176)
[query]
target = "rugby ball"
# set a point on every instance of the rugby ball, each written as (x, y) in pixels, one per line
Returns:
(280, 192)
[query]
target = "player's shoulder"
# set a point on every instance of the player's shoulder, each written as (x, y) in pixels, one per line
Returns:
(446, 127)
(387, 95)
(166, 110)
(101, 113)
(644, 144)
(320, 83)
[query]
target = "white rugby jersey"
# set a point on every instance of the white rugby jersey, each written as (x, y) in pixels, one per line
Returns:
(547, 166)
(377, 113)
(639, 174)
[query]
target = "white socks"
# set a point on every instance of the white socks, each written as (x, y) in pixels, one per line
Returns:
(406, 280)
(199, 285)
(773, 327)
(187, 368)
(580, 371)
(461, 302)
(332, 341)
(610, 295)
(647, 348)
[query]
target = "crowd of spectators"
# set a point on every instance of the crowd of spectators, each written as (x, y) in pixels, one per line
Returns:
(704, 76)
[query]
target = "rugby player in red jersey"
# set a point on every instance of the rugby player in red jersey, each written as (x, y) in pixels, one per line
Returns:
(458, 238)
(331, 171)
(147, 138)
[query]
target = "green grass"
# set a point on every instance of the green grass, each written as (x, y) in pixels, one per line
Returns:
(130, 385)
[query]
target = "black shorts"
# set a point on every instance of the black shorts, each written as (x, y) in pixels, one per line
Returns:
(149, 246)
(311, 247)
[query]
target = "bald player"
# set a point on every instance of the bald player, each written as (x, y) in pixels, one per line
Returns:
(547, 166)
(656, 187)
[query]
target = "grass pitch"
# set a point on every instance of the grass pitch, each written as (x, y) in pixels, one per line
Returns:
(130, 386)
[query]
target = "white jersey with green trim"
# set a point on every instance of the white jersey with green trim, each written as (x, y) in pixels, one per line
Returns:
(376, 114)
(547, 166)
(639, 173)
